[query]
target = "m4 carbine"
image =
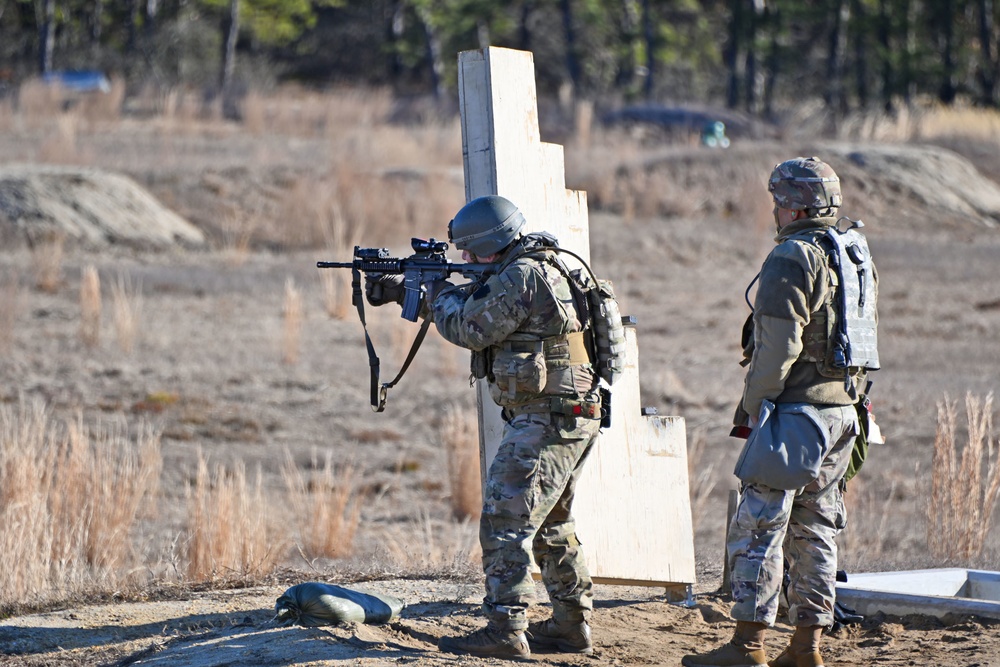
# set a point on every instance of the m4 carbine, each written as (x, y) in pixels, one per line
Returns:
(427, 264)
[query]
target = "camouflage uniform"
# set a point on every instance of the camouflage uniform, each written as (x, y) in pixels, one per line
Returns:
(529, 305)
(794, 288)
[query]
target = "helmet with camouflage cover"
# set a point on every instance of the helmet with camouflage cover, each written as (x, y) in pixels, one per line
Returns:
(486, 225)
(805, 184)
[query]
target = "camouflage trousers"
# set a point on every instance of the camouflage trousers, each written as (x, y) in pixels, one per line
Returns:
(773, 525)
(528, 510)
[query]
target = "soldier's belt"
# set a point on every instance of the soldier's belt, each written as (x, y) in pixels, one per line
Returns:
(588, 408)
(574, 344)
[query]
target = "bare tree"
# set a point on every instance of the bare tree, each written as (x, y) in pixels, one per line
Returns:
(46, 36)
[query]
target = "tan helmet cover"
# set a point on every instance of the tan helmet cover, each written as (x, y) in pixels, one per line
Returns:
(804, 183)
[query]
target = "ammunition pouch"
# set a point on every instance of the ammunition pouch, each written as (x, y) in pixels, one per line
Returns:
(479, 365)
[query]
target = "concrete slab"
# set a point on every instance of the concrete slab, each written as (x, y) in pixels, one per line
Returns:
(930, 592)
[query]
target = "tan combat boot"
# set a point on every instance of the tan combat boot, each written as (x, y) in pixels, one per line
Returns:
(802, 650)
(745, 649)
(562, 636)
(491, 641)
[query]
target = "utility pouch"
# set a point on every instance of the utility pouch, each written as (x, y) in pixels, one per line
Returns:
(518, 376)
(479, 365)
(786, 447)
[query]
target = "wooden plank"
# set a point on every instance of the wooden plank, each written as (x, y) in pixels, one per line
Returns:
(632, 507)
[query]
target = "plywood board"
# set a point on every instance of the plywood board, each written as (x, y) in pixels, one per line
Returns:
(632, 508)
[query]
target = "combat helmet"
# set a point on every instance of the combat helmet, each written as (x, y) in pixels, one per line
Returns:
(486, 225)
(805, 184)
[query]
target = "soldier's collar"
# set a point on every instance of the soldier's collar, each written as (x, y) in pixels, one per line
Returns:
(804, 225)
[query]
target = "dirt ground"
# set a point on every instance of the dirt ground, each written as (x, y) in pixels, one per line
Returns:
(212, 335)
(631, 626)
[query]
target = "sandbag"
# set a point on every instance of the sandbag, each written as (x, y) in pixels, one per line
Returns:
(313, 604)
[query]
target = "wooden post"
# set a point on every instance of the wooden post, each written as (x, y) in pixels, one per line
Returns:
(632, 508)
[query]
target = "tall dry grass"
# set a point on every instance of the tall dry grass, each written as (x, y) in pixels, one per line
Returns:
(70, 503)
(291, 323)
(47, 260)
(229, 529)
(12, 302)
(429, 548)
(126, 311)
(965, 480)
(459, 433)
(326, 506)
(90, 307)
(701, 478)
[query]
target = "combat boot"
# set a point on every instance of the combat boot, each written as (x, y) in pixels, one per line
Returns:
(562, 636)
(745, 649)
(490, 641)
(802, 650)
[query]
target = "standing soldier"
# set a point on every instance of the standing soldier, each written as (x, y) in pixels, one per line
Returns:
(525, 328)
(814, 339)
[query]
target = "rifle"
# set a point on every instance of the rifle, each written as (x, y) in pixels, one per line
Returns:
(427, 263)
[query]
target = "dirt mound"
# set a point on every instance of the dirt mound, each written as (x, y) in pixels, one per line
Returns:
(88, 205)
(928, 184)
(899, 187)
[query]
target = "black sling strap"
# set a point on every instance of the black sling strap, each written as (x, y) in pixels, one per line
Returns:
(379, 393)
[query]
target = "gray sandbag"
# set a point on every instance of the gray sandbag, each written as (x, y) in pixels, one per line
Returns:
(313, 604)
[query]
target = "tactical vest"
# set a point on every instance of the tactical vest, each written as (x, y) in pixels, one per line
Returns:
(842, 338)
(517, 368)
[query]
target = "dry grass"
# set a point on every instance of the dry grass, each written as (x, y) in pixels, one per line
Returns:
(965, 481)
(428, 548)
(90, 307)
(126, 308)
(459, 433)
(229, 525)
(337, 291)
(292, 323)
(12, 302)
(70, 500)
(701, 478)
(47, 259)
(326, 506)
(237, 235)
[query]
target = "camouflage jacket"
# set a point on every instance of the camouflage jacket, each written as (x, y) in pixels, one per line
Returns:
(530, 300)
(794, 285)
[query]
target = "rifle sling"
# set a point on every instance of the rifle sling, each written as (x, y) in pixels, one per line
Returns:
(379, 393)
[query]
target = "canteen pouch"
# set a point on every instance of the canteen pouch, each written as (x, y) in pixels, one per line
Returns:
(786, 447)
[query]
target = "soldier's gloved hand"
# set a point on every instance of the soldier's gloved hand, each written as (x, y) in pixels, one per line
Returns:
(435, 287)
(384, 289)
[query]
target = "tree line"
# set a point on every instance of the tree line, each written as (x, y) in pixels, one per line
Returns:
(751, 55)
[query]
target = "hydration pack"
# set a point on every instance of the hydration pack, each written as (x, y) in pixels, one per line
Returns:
(844, 340)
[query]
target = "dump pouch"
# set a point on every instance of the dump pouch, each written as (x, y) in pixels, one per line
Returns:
(786, 447)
